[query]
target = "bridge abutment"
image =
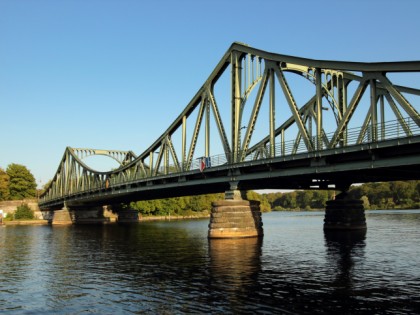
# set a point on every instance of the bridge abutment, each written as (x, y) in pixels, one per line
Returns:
(345, 214)
(235, 217)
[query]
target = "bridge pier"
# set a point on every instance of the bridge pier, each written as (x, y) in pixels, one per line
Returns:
(79, 215)
(125, 215)
(235, 217)
(62, 217)
(345, 214)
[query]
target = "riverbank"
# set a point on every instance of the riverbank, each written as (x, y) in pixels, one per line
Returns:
(141, 219)
(173, 217)
(25, 222)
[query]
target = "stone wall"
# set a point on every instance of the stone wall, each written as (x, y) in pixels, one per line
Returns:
(10, 206)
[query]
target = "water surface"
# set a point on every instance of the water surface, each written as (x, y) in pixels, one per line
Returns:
(172, 268)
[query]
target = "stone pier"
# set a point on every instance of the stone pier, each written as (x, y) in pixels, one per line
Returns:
(125, 214)
(344, 214)
(235, 218)
(79, 215)
(62, 217)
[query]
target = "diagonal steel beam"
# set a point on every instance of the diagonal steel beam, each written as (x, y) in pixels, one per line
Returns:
(400, 98)
(219, 123)
(349, 112)
(254, 114)
(397, 113)
(195, 134)
(294, 108)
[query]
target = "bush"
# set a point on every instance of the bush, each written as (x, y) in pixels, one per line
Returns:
(23, 212)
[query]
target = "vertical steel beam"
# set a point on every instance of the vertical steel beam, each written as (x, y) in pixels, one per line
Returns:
(207, 126)
(166, 158)
(318, 80)
(373, 110)
(236, 103)
(272, 114)
(381, 98)
(184, 141)
(342, 105)
(151, 163)
(283, 144)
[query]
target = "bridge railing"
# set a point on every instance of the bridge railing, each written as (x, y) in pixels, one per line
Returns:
(354, 136)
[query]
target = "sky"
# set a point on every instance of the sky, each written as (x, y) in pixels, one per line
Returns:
(114, 74)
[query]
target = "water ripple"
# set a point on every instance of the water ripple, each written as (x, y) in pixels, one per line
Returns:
(172, 268)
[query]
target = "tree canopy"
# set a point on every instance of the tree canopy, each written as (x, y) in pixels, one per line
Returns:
(4, 185)
(22, 183)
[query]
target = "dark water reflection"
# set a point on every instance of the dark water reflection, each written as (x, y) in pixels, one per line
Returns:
(172, 268)
(343, 249)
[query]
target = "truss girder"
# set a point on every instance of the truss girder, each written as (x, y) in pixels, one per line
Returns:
(252, 74)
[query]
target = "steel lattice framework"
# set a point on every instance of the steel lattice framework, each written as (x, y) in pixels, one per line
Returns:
(228, 106)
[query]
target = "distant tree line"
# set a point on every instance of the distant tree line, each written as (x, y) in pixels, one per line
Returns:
(17, 183)
(389, 195)
(386, 195)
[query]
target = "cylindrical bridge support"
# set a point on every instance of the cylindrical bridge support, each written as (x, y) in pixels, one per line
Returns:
(61, 217)
(344, 214)
(79, 215)
(235, 218)
(125, 214)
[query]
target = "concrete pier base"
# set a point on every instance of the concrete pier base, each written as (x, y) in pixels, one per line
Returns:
(345, 214)
(128, 216)
(235, 219)
(79, 215)
(124, 214)
(62, 217)
(89, 215)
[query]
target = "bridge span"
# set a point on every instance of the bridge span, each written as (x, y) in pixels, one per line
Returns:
(279, 122)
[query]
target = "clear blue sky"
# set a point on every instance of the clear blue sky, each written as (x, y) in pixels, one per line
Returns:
(113, 74)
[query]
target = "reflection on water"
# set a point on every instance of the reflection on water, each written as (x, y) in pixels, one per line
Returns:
(234, 266)
(172, 268)
(343, 249)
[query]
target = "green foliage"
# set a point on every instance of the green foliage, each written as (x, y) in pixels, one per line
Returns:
(264, 204)
(176, 206)
(390, 195)
(22, 183)
(4, 185)
(23, 212)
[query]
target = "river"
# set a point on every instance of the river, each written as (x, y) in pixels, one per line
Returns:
(172, 268)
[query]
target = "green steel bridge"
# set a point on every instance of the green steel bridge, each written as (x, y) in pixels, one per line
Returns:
(266, 121)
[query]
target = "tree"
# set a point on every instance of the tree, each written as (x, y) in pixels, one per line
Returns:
(402, 191)
(22, 182)
(4, 185)
(319, 199)
(304, 198)
(24, 212)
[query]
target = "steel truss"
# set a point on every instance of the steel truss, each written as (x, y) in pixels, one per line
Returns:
(256, 75)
